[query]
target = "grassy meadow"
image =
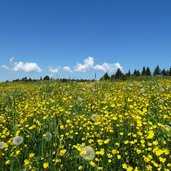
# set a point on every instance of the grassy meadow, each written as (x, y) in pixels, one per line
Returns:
(91, 126)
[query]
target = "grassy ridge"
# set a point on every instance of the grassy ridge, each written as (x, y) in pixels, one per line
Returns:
(85, 126)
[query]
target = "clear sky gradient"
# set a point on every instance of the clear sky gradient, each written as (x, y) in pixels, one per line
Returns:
(79, 38)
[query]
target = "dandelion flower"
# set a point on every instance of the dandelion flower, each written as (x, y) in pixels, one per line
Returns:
(2, 144)
(87, 153)
(47, 136)
(17, 140)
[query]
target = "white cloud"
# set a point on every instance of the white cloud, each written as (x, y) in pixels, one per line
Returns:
(67, 69)
(5, 67)
(22, 66)
(26, 67)
(54, 70)
(86, 66)
(106, 67)
(89, 61)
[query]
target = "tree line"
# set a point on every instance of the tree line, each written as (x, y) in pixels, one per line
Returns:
(118, 75)
(136, 73)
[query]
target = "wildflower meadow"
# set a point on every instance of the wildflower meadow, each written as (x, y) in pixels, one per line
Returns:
(89, 126)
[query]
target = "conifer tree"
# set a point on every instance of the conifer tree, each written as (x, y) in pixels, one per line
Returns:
(164, 72)
(118, 74)
(170, 71)
(128, 74)
(105, 76)
(136, 73)
(148, 72)
(143, 71)
(157, 71)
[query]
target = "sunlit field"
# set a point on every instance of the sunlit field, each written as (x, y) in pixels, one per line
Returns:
(110, 126)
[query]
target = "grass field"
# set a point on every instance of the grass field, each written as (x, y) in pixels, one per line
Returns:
(50, 125)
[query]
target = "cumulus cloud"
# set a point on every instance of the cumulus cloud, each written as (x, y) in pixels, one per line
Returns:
(106, 67)
(26, 67)
(86, 66)
(22, 66)
(53, 70)
(67, 69)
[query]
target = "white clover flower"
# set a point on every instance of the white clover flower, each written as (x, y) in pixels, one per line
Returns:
(2, 144)
(17, 140)
(94, 117)
(87, 153)
(47, 136)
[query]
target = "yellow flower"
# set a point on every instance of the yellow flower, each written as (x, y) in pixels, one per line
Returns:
(109, 160)
(114, 151)
(150, 134)
(26, 162)
(62, 152)
(149, 168)
(31, 155)
(162, 159)
(17, 152)
(129, 168)
(124, 166)
(159, 152)
(100, 142)
(100, 168)
(7, 162)
(57, 160)
(118, 157)
(166, 151)
(46, 165)
(92, 164)
(146, 159)
(101, 152)
(106, 141)
(80, 168)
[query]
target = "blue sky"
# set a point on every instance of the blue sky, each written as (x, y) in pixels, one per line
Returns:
(79, 38)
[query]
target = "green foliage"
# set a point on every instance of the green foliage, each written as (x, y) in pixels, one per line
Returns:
(105, 76)
(46, 77)
(157, 71)
(122, 124)
(148, 72)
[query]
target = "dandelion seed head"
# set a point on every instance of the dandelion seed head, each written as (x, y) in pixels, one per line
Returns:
(2, 144)
(87, 153)
(94, 117)
(167, 129)
(17, 140)
(48, 136)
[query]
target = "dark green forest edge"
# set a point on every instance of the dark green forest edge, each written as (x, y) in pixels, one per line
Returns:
(145, 74)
